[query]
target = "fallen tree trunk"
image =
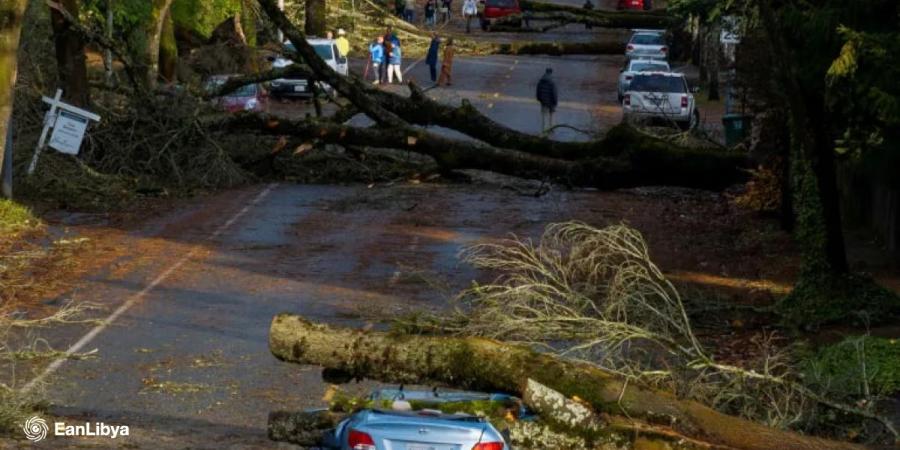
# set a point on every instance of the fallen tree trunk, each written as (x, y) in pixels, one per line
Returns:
(486, 365)
(638, 164)
(304, 428)
(599, 19)
(561, 48)
(609, 19)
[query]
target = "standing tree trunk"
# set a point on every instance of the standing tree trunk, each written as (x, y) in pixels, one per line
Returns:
(315, 18)
(11, 13)
(70, 60)
(168, 51)
(159, 11)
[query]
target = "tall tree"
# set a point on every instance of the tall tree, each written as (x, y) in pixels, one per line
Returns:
(168, 50)
(315, 18)
(158, 11)
(70, 58)
(804, 41)
(11, 12)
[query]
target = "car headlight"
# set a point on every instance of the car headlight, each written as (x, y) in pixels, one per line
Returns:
(251, 104)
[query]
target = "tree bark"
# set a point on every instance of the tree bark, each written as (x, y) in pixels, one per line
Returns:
(158, 11)
(168, 51)
(71, 64)
(596, 17)
(715, 53)
(306, 429)
(486, 365)
(11, 14)
(314, 24)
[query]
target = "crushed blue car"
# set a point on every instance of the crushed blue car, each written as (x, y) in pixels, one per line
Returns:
(407, 425)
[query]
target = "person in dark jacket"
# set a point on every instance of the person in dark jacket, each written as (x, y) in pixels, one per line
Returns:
(546, 95)
(432, 57)
(588, 6)
(388, 45)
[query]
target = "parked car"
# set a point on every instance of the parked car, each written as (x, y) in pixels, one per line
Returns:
(630, 4)
(633, 66)
(647, 44)
(300, 87)
(249, 97)
(660, 97)
(496, 9)
(424, 429)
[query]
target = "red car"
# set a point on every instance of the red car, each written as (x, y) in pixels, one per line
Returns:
(495, 9)
(250, 97)
(634, 4)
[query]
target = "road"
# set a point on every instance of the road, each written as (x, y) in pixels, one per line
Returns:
(182, 356)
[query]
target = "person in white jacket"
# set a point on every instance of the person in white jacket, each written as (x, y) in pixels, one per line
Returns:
(469, 11)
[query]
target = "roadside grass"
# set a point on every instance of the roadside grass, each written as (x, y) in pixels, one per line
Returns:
(15, 218)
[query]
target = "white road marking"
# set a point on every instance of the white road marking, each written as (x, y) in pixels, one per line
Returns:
(87, 338)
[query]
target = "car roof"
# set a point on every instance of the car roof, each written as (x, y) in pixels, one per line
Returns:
(648, 61)
(648, 31)
(314, 41)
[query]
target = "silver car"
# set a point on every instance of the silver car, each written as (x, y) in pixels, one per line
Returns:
(426, 429)
(634, 66)
(660, 97)
(299, 87)
(647, 44)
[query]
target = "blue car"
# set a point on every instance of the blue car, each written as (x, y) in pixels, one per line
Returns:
(401, 428)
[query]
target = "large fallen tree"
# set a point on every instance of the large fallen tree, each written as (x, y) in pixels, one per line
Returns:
(487, 365)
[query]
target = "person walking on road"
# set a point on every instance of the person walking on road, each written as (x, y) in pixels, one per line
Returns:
(546, 95)
(409, 11)
(469, 11)
(588, 6)
(394, 63)
(432, 57)
(447, 64)
(342, 43)
(376, 52)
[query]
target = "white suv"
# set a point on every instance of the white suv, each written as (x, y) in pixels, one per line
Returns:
(660, 96)
(326, 49)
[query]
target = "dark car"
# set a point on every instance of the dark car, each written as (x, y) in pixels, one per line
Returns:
(496, 9)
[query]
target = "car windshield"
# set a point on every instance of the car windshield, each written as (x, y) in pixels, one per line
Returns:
(647, 39)
(500, 3)
(658, 83)
(324, 51)
(649, 66)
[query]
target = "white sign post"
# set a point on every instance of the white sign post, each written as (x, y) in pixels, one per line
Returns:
(68, 123)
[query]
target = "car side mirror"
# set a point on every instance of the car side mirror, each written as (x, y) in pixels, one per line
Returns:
(342, 60)
(695, 89)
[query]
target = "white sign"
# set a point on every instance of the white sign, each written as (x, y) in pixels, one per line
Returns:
(68, 132)
(68, 123)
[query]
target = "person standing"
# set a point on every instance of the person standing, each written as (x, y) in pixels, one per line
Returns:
(432, 57)
(342, 43)
(447, 64)
(469, 10)
(588, 6)
(430, 10)
(409, 11)
(445, 11)
(546, 95)
(394, 63)
(388, 45)
(376, 52)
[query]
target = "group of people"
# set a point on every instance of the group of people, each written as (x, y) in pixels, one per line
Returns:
(341, 42)
(386, 59)
(435, 10)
